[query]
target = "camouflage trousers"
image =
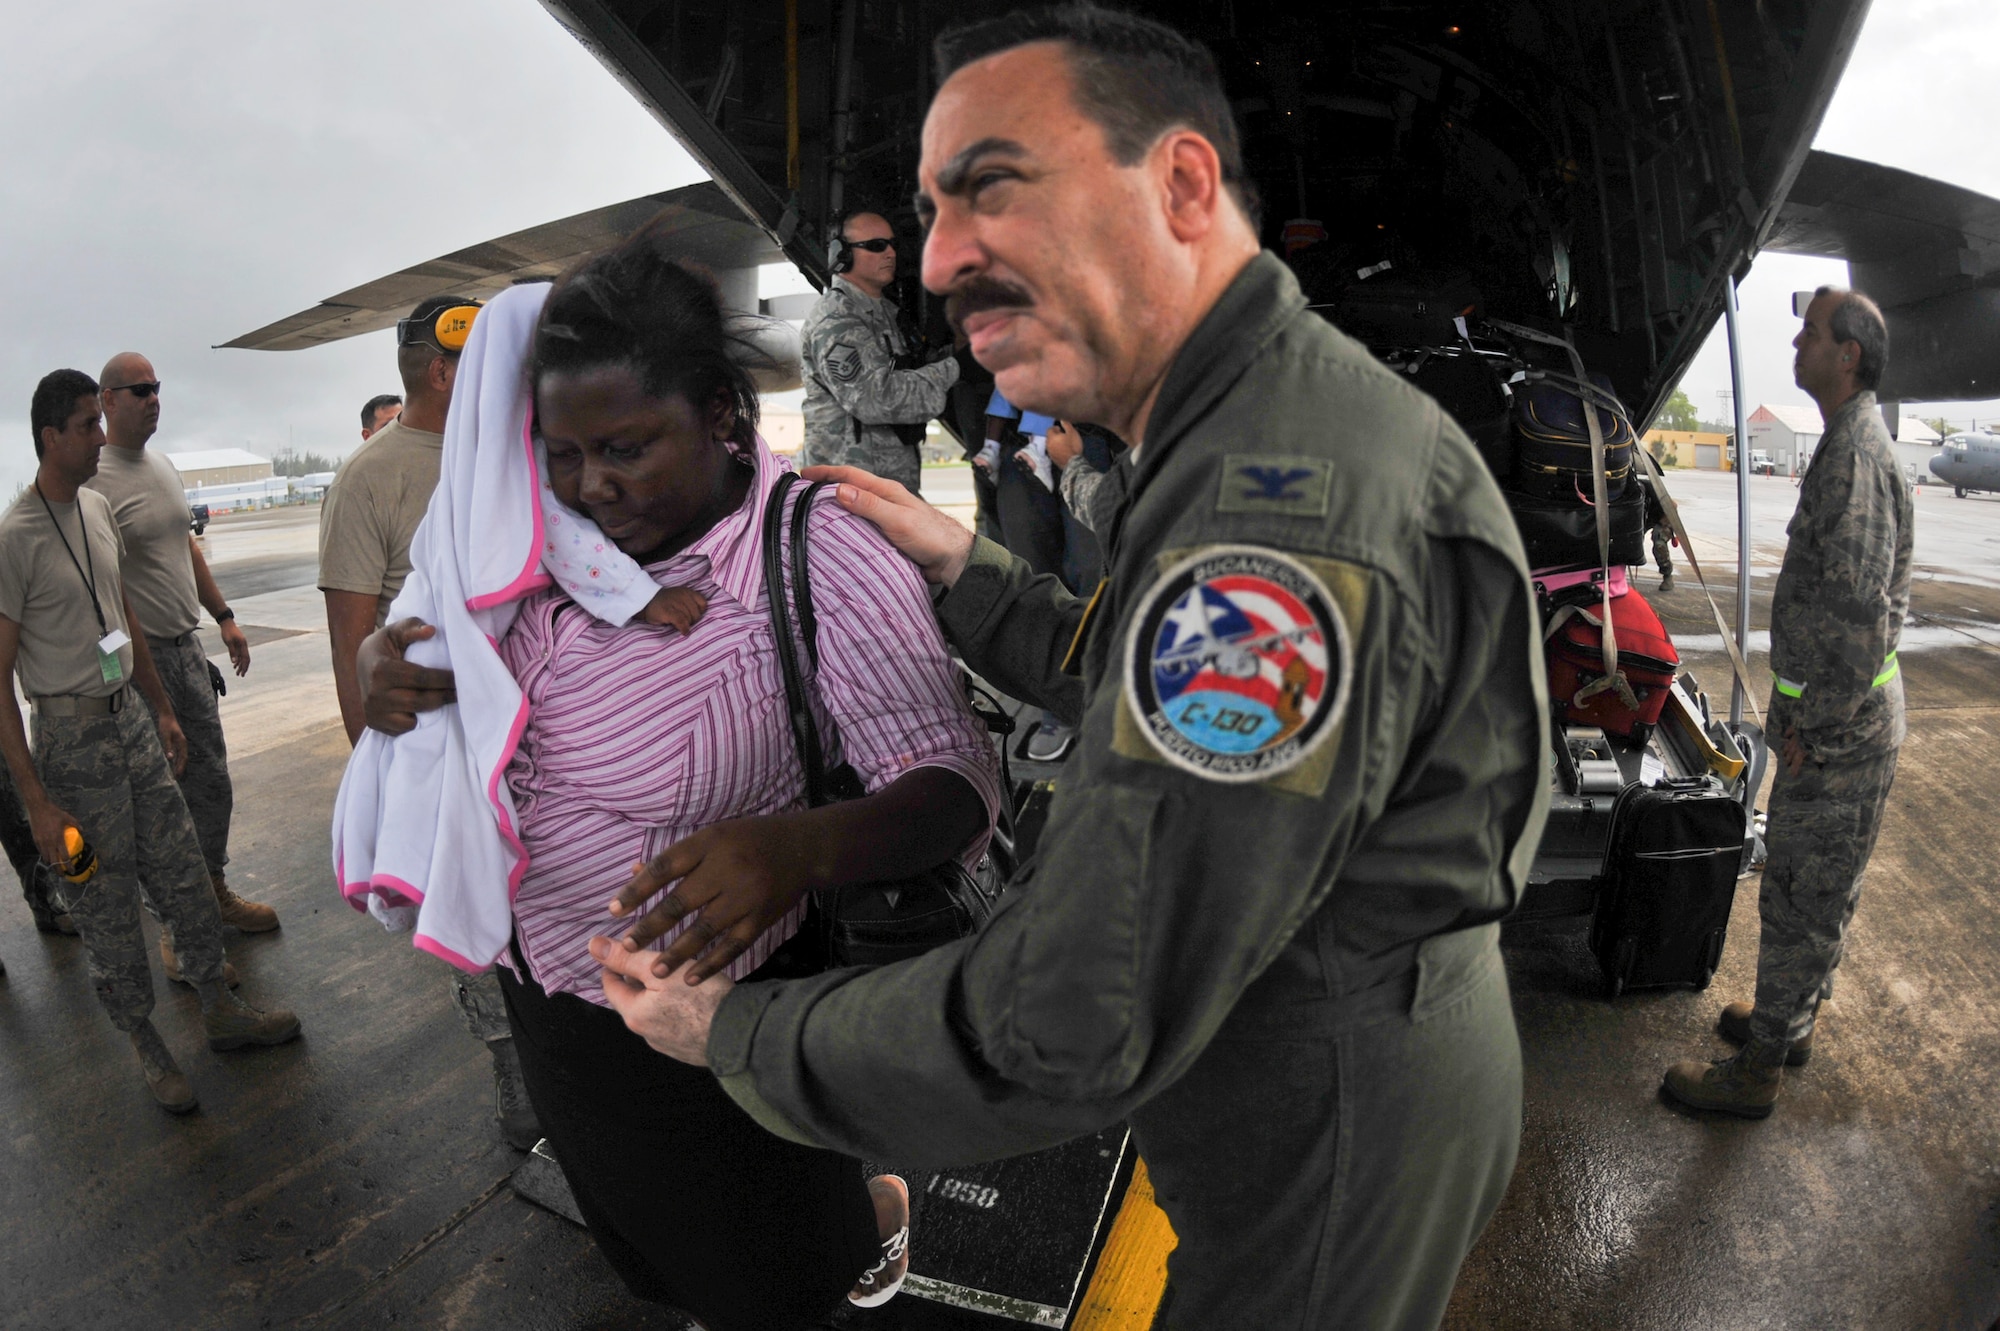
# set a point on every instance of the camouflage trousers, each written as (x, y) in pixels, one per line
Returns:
(1663, 550)
(110, 774)
(480, 1003)
(211, 799)
(1822, 829)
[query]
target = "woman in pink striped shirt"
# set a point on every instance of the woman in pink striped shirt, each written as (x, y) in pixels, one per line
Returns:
(640, 736)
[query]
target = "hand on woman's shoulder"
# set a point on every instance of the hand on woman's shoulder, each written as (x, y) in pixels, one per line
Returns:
(850, 553)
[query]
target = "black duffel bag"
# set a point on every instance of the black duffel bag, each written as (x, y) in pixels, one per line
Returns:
(1563, 532)
(862, 924)
(1405, 308)
(1552, 439)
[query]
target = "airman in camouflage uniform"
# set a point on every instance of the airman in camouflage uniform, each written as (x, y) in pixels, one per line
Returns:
(99, 766)
(1837, 703)
(855, 394)
(169, 582)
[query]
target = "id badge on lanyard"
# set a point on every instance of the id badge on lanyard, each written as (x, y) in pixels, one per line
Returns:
(108, 663)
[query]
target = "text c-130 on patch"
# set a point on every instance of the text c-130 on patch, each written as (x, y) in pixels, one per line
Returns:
(1238, 664)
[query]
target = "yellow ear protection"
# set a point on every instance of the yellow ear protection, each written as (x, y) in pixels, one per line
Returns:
(446, 331)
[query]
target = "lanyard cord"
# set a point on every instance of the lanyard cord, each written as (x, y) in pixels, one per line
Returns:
(90, 578)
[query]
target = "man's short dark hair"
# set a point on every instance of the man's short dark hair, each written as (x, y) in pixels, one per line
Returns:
(55, 401)
(1136, 78)
(1858, 319)
(375, 404)
(430, 307)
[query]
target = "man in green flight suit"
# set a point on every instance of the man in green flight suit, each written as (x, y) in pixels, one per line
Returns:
(1262, 923)
(1837, 706)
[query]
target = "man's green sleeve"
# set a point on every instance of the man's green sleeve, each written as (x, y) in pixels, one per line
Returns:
(1015, 628)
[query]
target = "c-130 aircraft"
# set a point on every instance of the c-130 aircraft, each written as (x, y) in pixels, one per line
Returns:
(1601, 171)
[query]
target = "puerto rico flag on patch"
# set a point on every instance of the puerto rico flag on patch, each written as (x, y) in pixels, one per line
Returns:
(1237, 664)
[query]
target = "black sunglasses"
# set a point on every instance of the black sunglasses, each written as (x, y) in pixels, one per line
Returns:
(875, 246)
(140, 391)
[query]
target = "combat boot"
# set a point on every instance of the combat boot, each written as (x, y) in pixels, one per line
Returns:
(232, 1023)
(251, 917)
(172, 964)
(518, 1124)
(1667, 583)
(1734, 1026)
(164, 1078)
(1741, 1086)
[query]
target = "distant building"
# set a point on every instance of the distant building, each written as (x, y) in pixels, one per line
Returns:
(313, 485)
(1699, 449)
(219, 466)
(228, 478)
(1916, 444)
(1787, 435)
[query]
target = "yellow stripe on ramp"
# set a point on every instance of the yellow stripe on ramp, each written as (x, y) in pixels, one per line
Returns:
(1131, 1275)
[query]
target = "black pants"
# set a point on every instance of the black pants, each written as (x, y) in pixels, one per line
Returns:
(1031, 517)
(693, 1204)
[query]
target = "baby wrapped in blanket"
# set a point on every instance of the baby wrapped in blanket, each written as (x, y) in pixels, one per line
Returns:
(424, 835)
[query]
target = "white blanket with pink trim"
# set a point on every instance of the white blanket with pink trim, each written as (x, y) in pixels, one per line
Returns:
(424, 831)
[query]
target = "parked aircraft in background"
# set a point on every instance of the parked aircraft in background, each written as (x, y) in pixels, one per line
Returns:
(1970, 462)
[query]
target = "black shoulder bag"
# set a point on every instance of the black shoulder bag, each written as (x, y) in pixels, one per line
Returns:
(863, 924)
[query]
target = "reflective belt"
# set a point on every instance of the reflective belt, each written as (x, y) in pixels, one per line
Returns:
(1890, 669)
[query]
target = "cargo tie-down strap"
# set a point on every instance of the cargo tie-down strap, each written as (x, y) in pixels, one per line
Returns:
(1679, 529)
(1600, 506)
(1792, 689)
(1667, 504)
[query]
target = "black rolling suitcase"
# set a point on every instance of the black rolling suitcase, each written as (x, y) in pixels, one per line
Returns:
(1676, 849)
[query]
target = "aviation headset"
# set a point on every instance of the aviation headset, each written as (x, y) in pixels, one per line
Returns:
(446, 330)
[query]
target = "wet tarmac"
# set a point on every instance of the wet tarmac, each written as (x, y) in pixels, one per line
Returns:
(354, 1178)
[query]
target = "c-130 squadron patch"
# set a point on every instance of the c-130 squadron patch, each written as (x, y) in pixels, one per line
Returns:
(1238, 662)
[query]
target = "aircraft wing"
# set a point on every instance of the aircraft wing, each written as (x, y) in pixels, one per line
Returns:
(1928, 252)
(704, 225)
(1935, 237)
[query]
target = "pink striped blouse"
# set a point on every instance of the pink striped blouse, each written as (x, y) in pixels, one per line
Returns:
(638, 737)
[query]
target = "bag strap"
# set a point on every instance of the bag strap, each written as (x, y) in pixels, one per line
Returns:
(1602, 511)
(802, 596)
(1672, 512)
(805, 731)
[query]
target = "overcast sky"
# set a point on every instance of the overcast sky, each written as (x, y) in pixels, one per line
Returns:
(1914, 96)
(179, 172)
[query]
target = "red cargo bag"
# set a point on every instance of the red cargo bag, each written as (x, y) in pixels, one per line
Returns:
(1647, 663)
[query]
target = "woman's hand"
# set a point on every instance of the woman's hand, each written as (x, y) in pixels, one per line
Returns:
(742, 876)
(392, 690)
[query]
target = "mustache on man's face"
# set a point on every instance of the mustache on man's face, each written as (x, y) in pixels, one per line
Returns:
(982, 293)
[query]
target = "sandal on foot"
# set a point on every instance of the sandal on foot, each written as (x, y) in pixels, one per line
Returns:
(882, 1281)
